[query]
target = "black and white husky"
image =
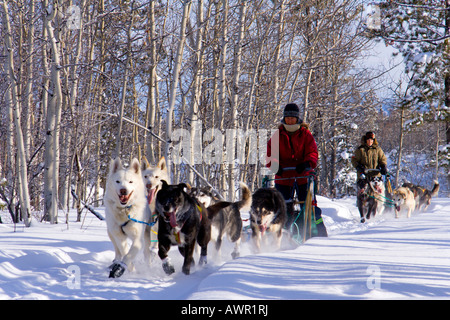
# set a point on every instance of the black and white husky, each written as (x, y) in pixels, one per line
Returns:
(370, 197)
(182, 221)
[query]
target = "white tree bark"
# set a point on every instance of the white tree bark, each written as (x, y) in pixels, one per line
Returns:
(174, 84)
(13, 102)
(124, 89)
(235, 96)
(53, 119)
(196, 125)
(152, 82)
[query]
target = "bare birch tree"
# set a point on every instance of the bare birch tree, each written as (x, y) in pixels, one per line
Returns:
(54, 109)
(12, 100)
(174, 84)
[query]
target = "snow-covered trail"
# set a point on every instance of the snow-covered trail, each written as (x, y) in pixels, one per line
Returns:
(395, 259)
(386, 258)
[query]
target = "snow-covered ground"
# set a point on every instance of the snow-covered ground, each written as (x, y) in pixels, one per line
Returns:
(386, 258)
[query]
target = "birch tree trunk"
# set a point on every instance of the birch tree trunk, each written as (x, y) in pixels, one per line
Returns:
(196, 125)
(235, 93)
(53, 120)
(13, 102)
(124, 89)
(100, 97)
(151, 94)
(29, 80)
(72, 82)
(277, 53)
(174, 84)
(222, 92)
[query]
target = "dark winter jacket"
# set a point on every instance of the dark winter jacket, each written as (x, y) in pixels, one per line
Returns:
(368, 157)
(295, 149)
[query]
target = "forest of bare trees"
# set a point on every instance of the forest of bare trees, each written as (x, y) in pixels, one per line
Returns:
(85, 81)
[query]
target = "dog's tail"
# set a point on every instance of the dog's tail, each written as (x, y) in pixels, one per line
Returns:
(215, 208)
(246, 199)
(435, 190)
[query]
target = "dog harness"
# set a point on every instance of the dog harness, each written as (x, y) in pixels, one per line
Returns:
(177, 230)
(150, 224)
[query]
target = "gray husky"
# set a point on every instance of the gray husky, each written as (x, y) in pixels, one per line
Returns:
(225, 216)
(267, 213)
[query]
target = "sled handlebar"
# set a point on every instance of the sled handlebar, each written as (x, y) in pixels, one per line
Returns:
(366, 171)
(293, 168)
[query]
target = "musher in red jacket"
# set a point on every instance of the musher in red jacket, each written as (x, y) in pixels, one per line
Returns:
(296, 149)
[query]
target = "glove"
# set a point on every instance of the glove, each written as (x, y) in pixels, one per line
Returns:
(360, 168)
(302, 167)
(383, 170)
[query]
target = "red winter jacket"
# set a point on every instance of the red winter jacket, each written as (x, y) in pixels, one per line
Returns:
(298, 148)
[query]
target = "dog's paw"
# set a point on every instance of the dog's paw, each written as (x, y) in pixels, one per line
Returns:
(203, 260)
(186, 270)
(168, 267)
(363, 220)
(117, 270)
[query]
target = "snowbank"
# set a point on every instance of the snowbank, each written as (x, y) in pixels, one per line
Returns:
(386, 258)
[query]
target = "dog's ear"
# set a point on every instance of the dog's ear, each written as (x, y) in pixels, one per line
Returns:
(135, 166)
(164, 184)
(115, 165)
(162, 163)
(184, 187)
(144, 163)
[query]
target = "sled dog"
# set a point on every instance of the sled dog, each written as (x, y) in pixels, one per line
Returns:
(422, 196)
(225, 216)
(153, 175)
(370, 197)
(379, 193)
(403, 200)
(126, 215)
(182, 221)
(267, 213)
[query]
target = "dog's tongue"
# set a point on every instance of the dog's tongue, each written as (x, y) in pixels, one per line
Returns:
(262, 228)
(150, 195)
(173, 219)
(123, 199)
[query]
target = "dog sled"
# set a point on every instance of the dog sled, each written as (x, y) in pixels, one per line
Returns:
(306, 217)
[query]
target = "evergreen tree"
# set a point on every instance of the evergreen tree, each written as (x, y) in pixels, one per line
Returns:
(420, 30)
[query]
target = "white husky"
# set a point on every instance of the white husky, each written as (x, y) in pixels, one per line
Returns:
(404, 200)
(153, 177)
(126, 215)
